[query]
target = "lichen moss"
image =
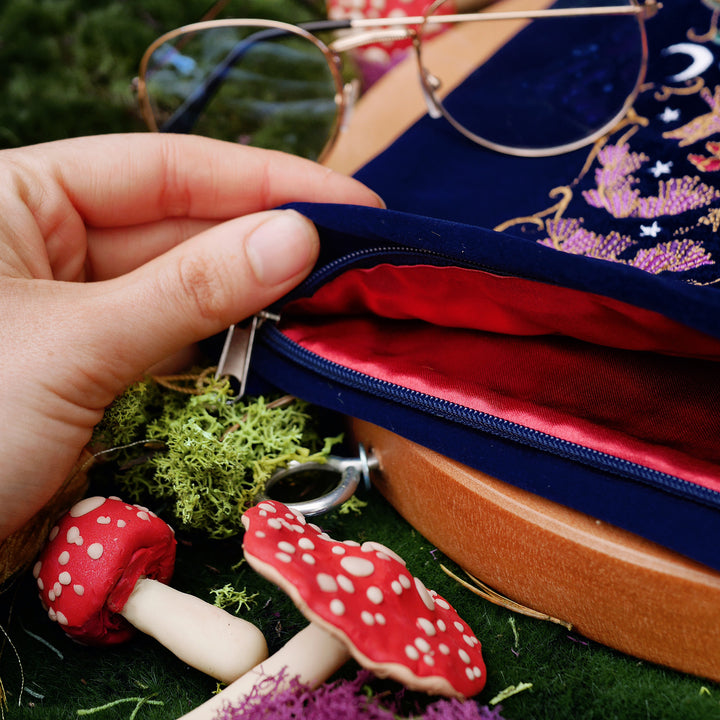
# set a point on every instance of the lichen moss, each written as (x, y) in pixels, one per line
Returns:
(202, 452)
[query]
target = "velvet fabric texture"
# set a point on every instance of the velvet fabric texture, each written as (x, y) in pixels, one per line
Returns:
(574, 297)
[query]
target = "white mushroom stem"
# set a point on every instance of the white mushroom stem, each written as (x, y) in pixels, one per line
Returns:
(202, 635)
(311, 656)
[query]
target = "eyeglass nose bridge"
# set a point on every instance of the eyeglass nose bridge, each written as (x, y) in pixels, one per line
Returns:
(430, 84)
(350, 93)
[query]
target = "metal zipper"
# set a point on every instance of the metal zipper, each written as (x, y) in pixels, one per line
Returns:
(236, 356)
(236, 359)
(391, 255)
(432, 406)
(237, 350)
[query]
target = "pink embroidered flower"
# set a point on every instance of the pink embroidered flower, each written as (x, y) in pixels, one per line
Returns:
(673, 256)
(616, 193)
(676, 196)
(570, 236)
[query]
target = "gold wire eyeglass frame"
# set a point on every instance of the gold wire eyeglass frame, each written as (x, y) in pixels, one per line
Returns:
(373, 30)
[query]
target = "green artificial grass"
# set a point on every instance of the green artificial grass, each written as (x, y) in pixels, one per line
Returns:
(571, 677)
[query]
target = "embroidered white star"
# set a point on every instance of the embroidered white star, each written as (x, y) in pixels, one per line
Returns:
(669, 115)
(661, 168)
(650, 230)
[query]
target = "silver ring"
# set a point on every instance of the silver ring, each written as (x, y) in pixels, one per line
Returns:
(349, 472)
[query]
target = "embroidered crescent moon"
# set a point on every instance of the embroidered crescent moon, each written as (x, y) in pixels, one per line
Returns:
(702, 59)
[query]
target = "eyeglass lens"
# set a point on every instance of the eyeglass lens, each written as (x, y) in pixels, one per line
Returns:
(258, 86)
(558, 82)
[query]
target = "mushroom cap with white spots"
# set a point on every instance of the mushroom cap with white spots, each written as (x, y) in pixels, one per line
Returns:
(386, 52)
(365, 596)
(94, 557)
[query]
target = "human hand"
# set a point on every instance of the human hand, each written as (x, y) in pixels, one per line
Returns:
(117, 252)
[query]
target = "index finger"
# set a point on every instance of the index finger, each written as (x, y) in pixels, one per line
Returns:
(121, 180)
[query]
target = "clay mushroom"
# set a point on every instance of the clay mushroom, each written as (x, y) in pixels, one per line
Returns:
(361, 602)
(375, 59)
(103, 573)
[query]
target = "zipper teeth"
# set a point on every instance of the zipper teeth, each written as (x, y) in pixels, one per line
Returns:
(319, 275)
(483, 421)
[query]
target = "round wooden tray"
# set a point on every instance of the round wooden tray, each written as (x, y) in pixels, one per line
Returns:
(613, 587)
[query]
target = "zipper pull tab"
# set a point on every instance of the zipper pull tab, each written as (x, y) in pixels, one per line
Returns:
(237, 350)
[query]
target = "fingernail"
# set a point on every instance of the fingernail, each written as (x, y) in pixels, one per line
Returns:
(281, 248)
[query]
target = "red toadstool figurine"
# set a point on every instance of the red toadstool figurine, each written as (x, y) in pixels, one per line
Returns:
(103, 573)
(361, 602)
(375, 59)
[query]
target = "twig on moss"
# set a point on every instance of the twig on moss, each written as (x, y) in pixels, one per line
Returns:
(510, 691)
(3, 695)
(487, 593)
(513, 627)
(190, 383)
(139, 702)
(44, 642)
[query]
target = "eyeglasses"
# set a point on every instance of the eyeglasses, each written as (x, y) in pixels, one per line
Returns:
(568, 76)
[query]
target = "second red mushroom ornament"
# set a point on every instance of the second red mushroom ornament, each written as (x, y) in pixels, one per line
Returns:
(361, 602)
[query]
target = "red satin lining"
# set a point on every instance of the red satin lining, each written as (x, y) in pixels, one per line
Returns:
(645, 407)
(458, 297)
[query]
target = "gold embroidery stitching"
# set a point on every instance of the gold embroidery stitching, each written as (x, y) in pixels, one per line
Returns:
(701, 127)
(712, 31)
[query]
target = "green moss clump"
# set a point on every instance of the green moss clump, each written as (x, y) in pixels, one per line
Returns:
(204, 455)
(230, 597)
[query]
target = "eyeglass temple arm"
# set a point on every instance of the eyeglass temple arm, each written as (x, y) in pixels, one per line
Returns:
(647, 10)
(186, 116)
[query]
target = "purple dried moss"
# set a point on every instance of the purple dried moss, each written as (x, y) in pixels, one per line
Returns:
(346, 699)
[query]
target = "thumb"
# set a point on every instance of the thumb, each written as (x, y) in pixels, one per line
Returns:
(199, 288)
(69, 348)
